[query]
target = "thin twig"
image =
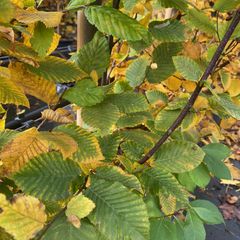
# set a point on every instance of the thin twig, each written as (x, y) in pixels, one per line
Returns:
(197, 90)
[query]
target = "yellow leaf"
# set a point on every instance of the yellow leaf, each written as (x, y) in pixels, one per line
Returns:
(23, 218)
(235, 172)
(201, 103)
(189, 86)
(234, 89)
(227, 123)
(4, 72)
(32, 84)
(230, 182)
(192, 50)
(11, 93)
(20, 150)
(60, 141)
(94, 76)
(173, 83)
(60, 115)
(54, 44)
(31, 15)
(79, 207)
(18, 3)
(2, 123)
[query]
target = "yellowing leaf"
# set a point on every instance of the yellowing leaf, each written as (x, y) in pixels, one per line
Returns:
(91, 165)
(31, 15)
(79, 207)
(54, 44)
(168, 203)
(11, 93)
(23, 218)
(32, 84)
(60, 141)
(234, 89)
(20, 150)
(60, 115)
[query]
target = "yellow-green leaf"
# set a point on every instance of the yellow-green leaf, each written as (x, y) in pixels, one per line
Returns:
(11, 93)
(80, 207)
(23, 218)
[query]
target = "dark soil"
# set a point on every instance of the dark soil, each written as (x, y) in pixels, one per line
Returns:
(218, 194)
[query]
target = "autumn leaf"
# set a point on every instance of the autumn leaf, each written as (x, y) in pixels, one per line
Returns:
(23, 218)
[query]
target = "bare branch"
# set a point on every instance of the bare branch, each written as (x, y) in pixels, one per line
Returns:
(209, 70)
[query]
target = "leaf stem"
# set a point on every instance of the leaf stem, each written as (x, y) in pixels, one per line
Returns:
(210, 68)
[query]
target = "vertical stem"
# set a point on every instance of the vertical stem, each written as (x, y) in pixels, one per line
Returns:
(85, 33)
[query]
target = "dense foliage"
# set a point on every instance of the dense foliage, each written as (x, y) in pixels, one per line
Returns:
(87, 182)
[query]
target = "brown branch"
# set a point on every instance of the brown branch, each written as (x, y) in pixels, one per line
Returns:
(206, 74)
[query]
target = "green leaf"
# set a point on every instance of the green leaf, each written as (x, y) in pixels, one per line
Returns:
(217, 151)
(155, 96)
(163, 183)
(186, 180)
(128, 216)
(88, 146)
(200, 176)
(162, 57)
(136, 72)
(226, 5)
(168, 30)
(153, 206)
(165, 119)
(6, 11)
(79, 206)
(166, 229)
(133, 119)
(57, 70)
(102, 116)
(116, 174)
(200, 21)
(179, 4)
(94, 55)
(179, 156)
(215, 154)
(48, 176)
(231, 108)
(42, 39)
(188, 68)
(132, 150)
(62, 229)
(139, 136)
(113, 22)
(109, 145)
(207, 211)
(85, 93)
(76, 4)
(6, 136)
(193, 227)
(129, 102)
